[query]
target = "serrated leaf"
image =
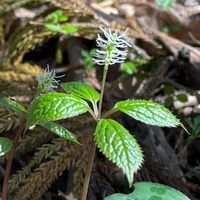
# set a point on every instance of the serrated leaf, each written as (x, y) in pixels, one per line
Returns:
(5, 145)
(60, 130)
(119, 146)
(148, 112)
(81, 90)
(53, 27)
(54, 106)
(17, 107)
(69, 28)
(150, 191)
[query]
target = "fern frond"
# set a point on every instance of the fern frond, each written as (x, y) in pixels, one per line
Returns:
(44, 175)
(8, 119)
(78, 7)
(79, 175)
(44, 152)
(10, 76)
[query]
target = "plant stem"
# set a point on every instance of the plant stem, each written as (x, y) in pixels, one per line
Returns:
(93, 114)
(95, 109)
(93, 145)
(110, 112)
(88, 172)
(105, 70)
(10, 160)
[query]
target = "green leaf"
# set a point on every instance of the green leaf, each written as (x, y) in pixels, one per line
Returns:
(62, 18)
(53, 27)
(60, 130)
(69, 28)
(169, 101)
(54, 16)
(169, 28)
(88, 59)
(150, 191)
(57, 16)
(166, 4)
(119, 146)
(81, 90)
(148, 112)
(54, 106)
(5, 145)
(182, 97)
(194, 124)
(129, 67)
(169, 88)
(13, 105)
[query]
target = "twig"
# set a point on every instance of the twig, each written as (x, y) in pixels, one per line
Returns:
(193, 38)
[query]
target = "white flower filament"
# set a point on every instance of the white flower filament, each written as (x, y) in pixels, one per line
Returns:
(112, 48)
(47, 80)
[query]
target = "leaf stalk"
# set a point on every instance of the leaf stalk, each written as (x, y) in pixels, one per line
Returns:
(108, 113)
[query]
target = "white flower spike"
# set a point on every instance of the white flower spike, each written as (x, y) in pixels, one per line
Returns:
(112, 47)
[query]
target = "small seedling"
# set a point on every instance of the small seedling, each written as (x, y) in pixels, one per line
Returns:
(56, 23)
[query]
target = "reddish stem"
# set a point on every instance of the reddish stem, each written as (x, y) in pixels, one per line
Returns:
(10, 160)
(88, 172)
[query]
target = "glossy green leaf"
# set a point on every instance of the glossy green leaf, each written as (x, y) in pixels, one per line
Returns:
(119, 146)
(150, 191)
(60, 130)
(81, 90)
(54, 106)
(148, 112)
(5, 145)
(69, 28)
(13, 105)
(53, 27)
